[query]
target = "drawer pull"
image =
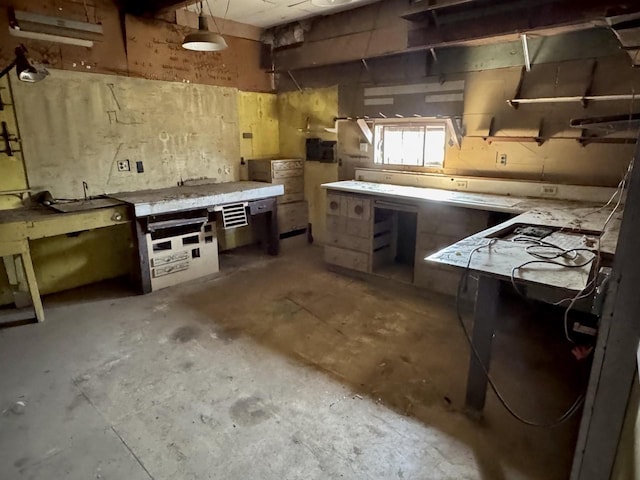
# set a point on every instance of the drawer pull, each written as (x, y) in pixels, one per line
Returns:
(358, 209)
(333, 205)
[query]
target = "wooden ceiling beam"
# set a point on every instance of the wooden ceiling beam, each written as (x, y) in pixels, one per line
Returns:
(401, 37)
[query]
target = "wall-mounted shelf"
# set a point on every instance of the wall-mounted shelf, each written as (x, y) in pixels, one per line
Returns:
(496, 138)
(53, 29)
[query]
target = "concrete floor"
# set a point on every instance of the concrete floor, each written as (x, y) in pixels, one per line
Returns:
(276, 369)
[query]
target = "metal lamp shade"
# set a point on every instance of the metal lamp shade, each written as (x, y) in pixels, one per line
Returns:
(204, 40)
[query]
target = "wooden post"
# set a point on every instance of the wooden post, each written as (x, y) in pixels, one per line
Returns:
(614, 363)
(484, 322)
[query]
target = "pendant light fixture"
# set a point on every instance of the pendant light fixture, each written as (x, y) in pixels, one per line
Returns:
(204, 40)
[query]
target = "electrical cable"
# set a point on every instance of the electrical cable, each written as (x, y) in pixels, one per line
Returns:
(575, 406)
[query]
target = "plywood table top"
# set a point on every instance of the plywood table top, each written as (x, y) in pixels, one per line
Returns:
(190, 197)
(485, 252)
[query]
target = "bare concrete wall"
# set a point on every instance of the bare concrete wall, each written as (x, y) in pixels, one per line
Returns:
(77, 126)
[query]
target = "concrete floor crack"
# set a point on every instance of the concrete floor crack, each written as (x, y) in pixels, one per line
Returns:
(302, 307)
(132, 453)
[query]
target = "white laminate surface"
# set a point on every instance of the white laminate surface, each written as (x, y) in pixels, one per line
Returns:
(479, 201)
(188, 197)
(502, 256)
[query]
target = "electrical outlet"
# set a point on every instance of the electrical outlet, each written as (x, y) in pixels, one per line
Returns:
(549, 190)
(462, 184)
(502, 159)
(124, 166)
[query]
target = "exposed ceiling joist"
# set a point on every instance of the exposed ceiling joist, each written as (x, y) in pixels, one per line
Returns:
(543, 17)
(153, 7)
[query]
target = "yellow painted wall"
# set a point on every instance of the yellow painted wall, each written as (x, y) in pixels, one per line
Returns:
(13, 173)
(257, 115)
(65, 262)
(316, 108)
(61, 262)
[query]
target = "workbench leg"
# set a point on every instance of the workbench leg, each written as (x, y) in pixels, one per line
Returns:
(27, 264)
(484, 322)
(273, 236)
(143, 258)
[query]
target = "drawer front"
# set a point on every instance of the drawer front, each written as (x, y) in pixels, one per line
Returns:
(347, 258)
(344, 240)
(293, 189)
(294, 172)
(169, 269)
(349, 226)
(291, 184)
(293, 216)
(291, 197)
(293, 164)
(359, 208)
(336, 204)
(260, 206)
(174, 257)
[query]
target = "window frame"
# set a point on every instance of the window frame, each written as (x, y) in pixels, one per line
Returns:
(398, 122)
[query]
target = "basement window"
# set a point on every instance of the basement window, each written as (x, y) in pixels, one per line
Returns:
(410, 144)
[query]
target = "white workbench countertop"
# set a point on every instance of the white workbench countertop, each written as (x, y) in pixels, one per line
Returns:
(478, 201)
(502, 256)
(189, 197)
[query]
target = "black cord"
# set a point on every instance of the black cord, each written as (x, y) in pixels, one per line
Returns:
(575, 406)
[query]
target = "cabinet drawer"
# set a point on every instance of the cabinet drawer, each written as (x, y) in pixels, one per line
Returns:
(261, 206)
(348, 241)
(292, 184)
(291, 197)
(359, 208)
(336, 204)
(347, 258)
(295, 172)
(165, 259)
(279, 165)
(293, 216)
(169, 269)
(349, 226)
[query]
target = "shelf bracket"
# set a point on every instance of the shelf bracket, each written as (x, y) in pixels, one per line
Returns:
(455, 131)
(587, 90)
(295, 82)
(516, 95)
(525, 50)
(366, 131)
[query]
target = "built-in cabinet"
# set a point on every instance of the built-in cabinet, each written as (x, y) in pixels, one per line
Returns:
(388, 238)
(293, 211)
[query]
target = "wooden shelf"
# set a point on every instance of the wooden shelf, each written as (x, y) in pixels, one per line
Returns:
(494, 138)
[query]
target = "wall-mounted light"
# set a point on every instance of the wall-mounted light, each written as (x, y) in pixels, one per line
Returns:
(203, 40)
(25, 71)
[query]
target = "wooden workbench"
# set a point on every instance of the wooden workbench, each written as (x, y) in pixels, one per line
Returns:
(193, 197)
(444, 217)
(496, 260)
(476, 201)
(166, 206)
(19, 226)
